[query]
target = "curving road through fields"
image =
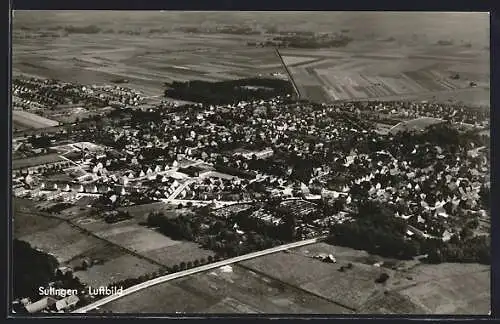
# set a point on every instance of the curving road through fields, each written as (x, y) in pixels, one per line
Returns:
(188, 272)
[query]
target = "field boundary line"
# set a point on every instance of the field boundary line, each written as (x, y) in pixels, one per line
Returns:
(290, 77)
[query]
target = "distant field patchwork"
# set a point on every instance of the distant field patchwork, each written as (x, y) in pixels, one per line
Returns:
(146, 62)
(336, 76)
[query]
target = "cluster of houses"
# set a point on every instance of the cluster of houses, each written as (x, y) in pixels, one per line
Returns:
(118, 96)
(277, 130)
(214, 189)
(55, 300)
(48, 304)
(410, 110)
(267, 217)
(33, 94)
(231, 210)
(37, 164)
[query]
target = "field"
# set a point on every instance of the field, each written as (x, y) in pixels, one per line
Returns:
(71, 246)
(412, 287)
(124, 249)
(72, 115)
(24, 120)
(17, 127)
(24, 223)
(392, 55)
(144, 241)
(295, 282)
(471, 96)
(63, 241)
(344, 75)
(77, 147)
(228, 290)
(456, 294)
(146, 62)
(178, 252)
(350, 289)
(63, 177)
(116, 268)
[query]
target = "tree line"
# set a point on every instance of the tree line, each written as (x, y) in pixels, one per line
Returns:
(181, 266)
(221, 235)
(228, 92)
(377, 231)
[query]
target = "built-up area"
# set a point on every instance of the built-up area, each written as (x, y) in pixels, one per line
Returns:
(258, 174)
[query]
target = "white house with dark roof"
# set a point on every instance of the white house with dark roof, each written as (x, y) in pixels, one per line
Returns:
(40, 305)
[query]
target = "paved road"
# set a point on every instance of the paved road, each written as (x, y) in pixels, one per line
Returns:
(180, 189)
(220, 203)
(188, 272)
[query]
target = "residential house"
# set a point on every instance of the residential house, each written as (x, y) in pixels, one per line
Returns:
(40, 305)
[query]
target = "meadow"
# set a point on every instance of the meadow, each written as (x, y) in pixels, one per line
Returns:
(296, 282)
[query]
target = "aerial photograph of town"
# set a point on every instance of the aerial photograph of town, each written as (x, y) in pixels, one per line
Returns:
(189, 162)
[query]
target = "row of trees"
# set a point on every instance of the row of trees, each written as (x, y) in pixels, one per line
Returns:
(117, 216)
(184, 265)
(57, 208)
(472, 249)
(229, 244)
(299, 41)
